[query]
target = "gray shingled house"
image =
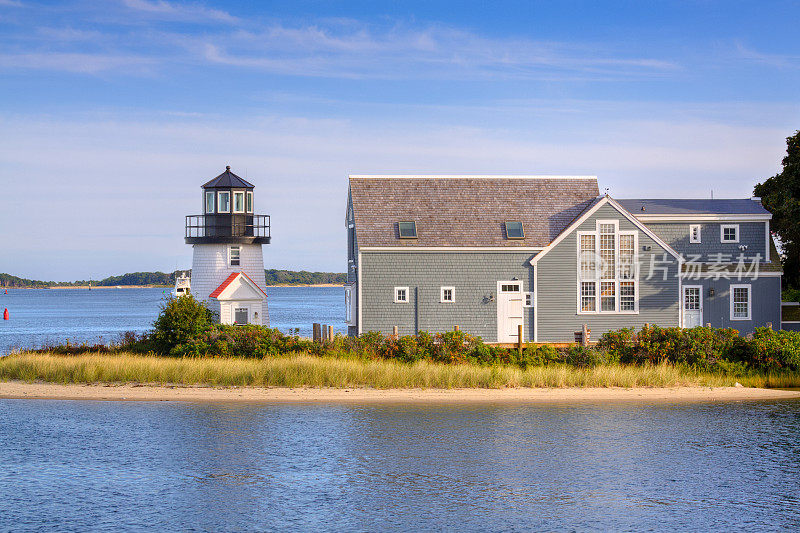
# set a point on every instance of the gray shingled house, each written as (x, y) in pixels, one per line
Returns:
(490, 253)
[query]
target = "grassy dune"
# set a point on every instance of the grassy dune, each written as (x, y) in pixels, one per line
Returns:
(301, 370)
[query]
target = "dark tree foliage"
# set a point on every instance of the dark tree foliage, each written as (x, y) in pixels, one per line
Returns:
(780, 194)
(180, 321)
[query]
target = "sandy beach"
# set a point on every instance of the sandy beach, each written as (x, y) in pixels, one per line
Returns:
(135, 392)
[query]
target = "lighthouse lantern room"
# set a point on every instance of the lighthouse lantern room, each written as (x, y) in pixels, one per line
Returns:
(227, 260)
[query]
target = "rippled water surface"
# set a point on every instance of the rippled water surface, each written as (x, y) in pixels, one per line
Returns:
(52, 316)
(76, 466)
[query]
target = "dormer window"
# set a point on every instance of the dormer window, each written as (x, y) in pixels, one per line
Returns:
(210, 202)
(408, 230)
(514, 230)
(224, 202)
(249, 203)
(238, 202)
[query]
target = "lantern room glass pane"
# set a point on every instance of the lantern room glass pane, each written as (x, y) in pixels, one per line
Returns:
(238, 202)
(209, 202)
(249, 202)
(224, 202)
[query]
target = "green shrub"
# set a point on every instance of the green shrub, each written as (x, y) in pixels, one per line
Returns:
(538, 355)
(775, 349)
(182, 321)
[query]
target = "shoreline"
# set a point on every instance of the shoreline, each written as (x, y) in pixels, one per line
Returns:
(181, 393)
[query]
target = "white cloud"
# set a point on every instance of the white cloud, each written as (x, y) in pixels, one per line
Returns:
(84, 63)
(179, 11)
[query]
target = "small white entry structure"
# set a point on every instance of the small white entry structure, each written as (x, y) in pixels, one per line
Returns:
(692, 306)
(240, 299)
(509, 310)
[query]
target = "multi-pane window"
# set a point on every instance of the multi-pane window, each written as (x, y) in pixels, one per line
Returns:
(401, 295)
(729, 233)
(740, 302)
(249, 201)
(209, 202)
(588, 258)
(627, 296)
(691, 299)
(608, 296)
(626, 256)
(448, 294)
(607, 251)
(607, 270)
(235, 255)
(588, 296)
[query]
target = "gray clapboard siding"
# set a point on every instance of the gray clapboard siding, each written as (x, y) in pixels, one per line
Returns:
(473, 274)
(676, 234)
(765, 307)
(556, 299)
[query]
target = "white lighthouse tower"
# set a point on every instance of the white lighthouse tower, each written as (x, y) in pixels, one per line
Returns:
(227, 262)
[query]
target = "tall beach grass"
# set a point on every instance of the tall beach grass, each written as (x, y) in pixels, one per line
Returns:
(310, 371)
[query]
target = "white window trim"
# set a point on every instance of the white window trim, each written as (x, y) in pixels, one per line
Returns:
(213, 203)
(248, 199)
(597, 279)
(231, 247)
(219, 195)
(233, 203)
(396, 289)
(528, 299)
(699, 239)
(749, 300)
(441, 295)
(722, 229)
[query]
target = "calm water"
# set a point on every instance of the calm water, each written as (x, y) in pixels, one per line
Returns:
(76, 466)
(47, 316)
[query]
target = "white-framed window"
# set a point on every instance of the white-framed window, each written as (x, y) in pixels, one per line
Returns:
(249, 202)
(401, 295)
(241, 315)
(209, 201)
(447, 295)
(608, 274)
(223, 202)
(238, 202)
(528, 299)
(234, 255)
(741, 302)
(729, 233)
(695, 235)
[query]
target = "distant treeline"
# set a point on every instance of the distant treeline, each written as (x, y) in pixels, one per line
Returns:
(273, 276)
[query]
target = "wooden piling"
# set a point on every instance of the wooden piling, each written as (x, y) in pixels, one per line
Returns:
(330, 333)
(585, 335)
(394, 331)
(519, 339)
(455, 328)
(316, 332)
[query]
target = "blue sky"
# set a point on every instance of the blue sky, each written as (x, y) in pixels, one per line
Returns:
(114, 113)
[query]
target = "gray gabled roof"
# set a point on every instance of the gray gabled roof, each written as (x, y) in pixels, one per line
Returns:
(228, 180)
(693, 206)
(467, 211)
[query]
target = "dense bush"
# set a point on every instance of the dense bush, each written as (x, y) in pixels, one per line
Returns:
(182, 321)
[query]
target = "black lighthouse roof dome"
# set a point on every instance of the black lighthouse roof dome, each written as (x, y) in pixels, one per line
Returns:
(228, 180)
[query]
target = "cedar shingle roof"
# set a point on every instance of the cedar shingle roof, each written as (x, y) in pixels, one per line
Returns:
(468, 211)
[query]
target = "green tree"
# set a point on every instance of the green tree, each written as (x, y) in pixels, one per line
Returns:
(181, 320)
(780, 194)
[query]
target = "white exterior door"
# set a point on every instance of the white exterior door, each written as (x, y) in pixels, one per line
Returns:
(509, 310)
(692, 306)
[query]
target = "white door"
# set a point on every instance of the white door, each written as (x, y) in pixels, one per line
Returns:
(692, 306)
(509, 310)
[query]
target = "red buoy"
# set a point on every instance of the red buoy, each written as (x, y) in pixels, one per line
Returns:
(5, 314)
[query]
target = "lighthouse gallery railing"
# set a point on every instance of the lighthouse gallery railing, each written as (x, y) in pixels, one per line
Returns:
(227, 226)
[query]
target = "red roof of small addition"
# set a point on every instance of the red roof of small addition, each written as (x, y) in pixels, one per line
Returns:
(229, 280)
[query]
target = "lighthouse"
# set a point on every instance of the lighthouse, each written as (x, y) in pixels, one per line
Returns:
(227, 260)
